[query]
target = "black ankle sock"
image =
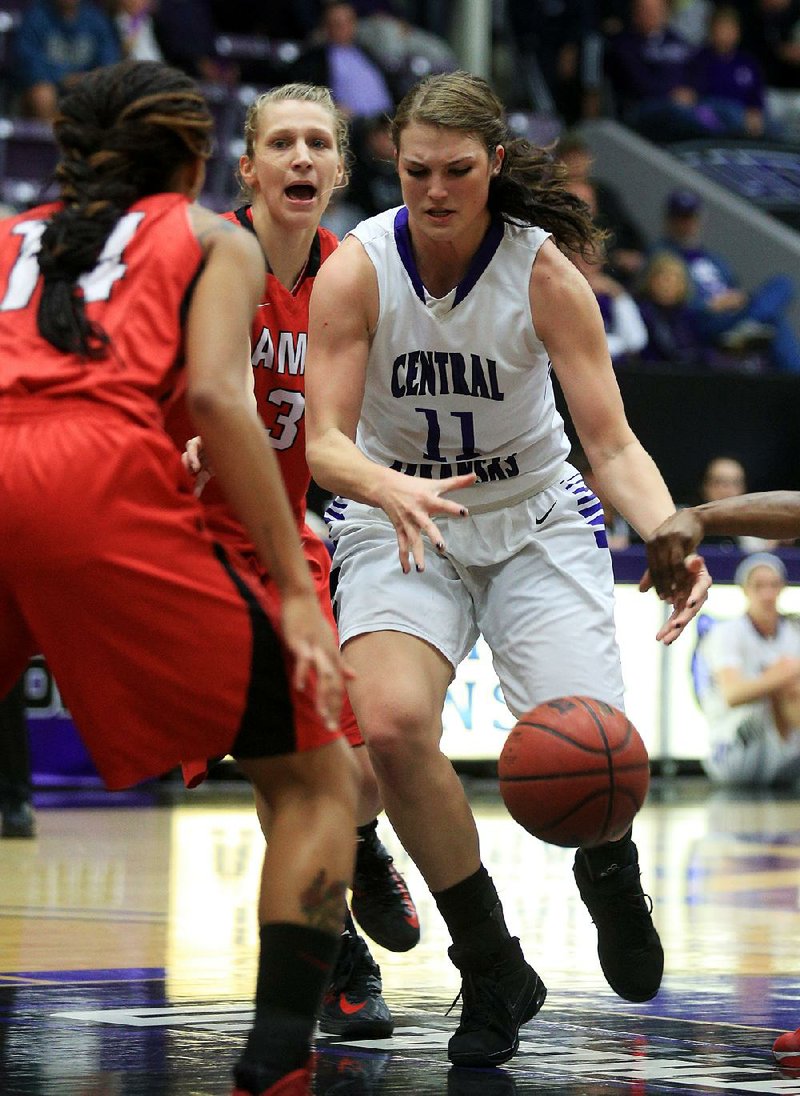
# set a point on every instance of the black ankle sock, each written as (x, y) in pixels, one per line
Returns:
(605, 859)
(472, 912)
(293, 969)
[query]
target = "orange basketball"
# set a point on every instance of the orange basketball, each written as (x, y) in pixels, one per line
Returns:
(574, 771)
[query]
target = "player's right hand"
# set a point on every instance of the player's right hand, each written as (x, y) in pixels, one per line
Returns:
(410, 503)
(668, 550)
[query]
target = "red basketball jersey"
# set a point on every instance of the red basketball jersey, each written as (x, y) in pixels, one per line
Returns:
(137, 293)
(278, 354)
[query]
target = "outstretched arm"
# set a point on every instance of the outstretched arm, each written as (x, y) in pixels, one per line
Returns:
(567, 320)
(766, 514)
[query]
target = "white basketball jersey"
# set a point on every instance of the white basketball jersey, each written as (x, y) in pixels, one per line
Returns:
(460, 383)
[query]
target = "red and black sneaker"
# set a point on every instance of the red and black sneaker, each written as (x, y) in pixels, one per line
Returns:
(353, 1007)
(296, 1083)
(381, 903)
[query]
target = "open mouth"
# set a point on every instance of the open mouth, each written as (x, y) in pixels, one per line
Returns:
(301, 192)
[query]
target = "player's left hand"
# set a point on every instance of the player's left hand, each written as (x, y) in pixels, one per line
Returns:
(686, 602)
(195, 463)
(318, 661)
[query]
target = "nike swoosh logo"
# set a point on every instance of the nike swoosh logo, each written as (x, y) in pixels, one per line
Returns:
(545, 515)
(347, 1008)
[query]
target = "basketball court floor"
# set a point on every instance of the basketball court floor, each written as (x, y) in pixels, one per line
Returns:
(128, 938)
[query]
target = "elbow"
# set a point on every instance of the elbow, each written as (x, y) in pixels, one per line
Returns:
(316, 463)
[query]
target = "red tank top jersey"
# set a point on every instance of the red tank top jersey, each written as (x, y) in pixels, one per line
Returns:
(278, 354)
(137, 293)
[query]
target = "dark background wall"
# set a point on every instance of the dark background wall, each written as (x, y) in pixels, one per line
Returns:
(684, 419)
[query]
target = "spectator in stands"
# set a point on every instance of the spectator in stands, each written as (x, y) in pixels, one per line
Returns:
(57, 41)
(724, 477)
(406, 52)
(625, 330)
(16, 810)
(359, 86)
(663, 300)
(690, 18)
(649, 67)
(726, 314)
(749, 684)
(134, 22)
(729, 80)
(625, 244)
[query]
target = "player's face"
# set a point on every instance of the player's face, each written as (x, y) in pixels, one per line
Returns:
(295, 163)
(445, 176)
(763, 588)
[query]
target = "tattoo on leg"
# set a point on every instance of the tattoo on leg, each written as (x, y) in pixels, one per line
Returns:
(323, 903)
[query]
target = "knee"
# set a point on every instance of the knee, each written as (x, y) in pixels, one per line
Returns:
(397, 737)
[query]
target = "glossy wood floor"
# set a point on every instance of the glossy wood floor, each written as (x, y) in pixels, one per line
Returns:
(127, 944)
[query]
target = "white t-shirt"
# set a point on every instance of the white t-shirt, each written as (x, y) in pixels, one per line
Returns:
(736, 644)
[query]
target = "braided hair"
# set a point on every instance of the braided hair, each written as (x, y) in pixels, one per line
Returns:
(530, 188)
(122, 131)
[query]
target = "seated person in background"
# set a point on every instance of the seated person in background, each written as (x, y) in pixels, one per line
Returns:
(663, 300)
(751, 697)
(57, 41)
(689, 19)
(358, 84)
(625, 244)
(625, 330)
(730, 81)
(726, 315)
(724, 477)
(136, 29)
(649, 67)
(405, 51)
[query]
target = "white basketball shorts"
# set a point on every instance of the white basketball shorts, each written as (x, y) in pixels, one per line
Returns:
(533, 577)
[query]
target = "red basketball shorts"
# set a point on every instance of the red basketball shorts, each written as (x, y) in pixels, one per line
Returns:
(162, 648)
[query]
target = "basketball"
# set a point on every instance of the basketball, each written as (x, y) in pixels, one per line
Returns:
(573, 772)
